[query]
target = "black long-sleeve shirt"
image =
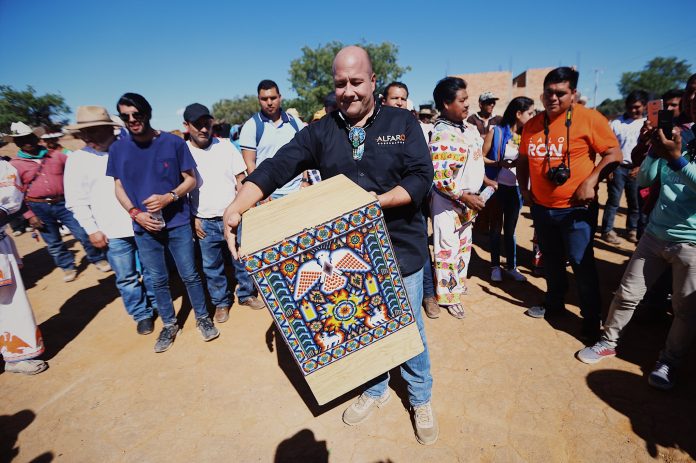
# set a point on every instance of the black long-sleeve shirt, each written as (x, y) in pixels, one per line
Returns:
(395, 155)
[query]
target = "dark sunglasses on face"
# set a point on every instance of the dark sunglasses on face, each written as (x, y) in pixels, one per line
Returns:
(137, 116)
(199, 124)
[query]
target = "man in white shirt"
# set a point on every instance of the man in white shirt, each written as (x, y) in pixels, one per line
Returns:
(627, 129)
(89, 194)
(266, 132)
(220, 169)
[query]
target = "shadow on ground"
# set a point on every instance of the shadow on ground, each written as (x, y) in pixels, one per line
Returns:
(660, 418)
(10, 427)
(303, 447)
(75, 314)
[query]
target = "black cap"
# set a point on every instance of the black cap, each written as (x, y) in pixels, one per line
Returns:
(195, 111)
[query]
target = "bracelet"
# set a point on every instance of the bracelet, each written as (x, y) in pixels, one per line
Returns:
(304, 180)
(133, 212)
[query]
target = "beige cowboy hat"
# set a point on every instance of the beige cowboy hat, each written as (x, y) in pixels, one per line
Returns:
(20, 129)
(91, 116)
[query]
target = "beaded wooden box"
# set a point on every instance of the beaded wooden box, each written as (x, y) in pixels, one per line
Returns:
(325, 267)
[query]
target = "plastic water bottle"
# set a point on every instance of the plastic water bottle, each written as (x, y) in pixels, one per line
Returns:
(486, 194)
(158, 217)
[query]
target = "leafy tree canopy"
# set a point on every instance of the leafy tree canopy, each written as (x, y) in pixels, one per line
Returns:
(311, 74)
(659, 75)
(26, 106)
(611, 108)
(236, 110)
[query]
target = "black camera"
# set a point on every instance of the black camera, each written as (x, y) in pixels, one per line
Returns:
(559, 174)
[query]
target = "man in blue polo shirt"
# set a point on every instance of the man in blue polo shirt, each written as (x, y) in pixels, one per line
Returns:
(153, 172)
(266, 132)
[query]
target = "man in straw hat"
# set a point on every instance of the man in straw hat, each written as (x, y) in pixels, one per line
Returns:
(89, 194)
(41, 172)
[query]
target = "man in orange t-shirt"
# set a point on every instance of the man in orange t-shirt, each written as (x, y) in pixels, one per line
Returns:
(558, 154)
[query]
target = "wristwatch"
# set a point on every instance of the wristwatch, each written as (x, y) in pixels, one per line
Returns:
(174, 195)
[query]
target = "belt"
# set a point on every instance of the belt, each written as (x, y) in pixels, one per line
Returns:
(47, 199)
(627, 165)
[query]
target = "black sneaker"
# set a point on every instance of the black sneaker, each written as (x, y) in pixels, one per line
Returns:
(166, 338)
(146, 326)
(207, 329)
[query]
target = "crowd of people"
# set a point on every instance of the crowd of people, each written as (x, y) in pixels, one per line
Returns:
(143, 202)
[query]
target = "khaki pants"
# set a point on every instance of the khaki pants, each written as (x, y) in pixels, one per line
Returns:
(650, 260)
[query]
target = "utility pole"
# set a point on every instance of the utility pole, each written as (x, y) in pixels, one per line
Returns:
(596, 84)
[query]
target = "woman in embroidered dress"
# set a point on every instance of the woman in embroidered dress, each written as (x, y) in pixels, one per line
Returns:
(501, 148)
(455, 148)
(20, 339)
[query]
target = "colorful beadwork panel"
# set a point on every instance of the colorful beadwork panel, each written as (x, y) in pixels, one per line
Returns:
(333, 289)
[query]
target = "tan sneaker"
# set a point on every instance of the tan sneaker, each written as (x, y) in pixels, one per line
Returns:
(69, 275)
(361, 409)
(222, 314)
(611, 237)
(432, 309)
(632, 236)
(253, 302)
(103, 266)
(427, 429)
(26, 367)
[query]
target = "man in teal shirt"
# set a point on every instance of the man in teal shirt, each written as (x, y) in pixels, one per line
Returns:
(669, 241)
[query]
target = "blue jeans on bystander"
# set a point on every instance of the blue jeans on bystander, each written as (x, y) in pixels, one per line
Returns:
(416, 371)
(213, 253)
(50, 215)
(137, 294)
(567, 235)
(179, 242)
(504, 220)
(620, 182)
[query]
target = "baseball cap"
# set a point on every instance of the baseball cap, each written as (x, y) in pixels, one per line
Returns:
(195, 111)
(487, 96)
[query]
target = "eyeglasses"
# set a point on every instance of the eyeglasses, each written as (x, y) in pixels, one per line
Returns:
(138, 116)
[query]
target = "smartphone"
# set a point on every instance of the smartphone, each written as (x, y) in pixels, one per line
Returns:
(665, 122)
(654, 106)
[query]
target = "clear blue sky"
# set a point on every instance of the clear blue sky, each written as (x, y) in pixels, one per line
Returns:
(175, 52)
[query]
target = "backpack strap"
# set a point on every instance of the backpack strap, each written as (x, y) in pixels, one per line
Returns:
(259, 128)
(293, 123)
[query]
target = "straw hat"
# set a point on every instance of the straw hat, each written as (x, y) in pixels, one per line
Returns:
(91, 116)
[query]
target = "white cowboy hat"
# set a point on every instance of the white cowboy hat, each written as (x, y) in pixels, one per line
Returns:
(20, 129)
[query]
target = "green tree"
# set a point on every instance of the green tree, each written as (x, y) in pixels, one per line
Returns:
(659, 75)
(611, 108)
(47, 110)
(311, 75)
(236, 110)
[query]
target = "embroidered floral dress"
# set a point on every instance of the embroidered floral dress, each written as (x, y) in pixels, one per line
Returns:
(457, 156)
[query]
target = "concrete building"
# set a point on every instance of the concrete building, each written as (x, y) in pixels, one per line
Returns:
(529, 83)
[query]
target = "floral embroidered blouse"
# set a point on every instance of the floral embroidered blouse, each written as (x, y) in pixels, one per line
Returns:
(457, 153)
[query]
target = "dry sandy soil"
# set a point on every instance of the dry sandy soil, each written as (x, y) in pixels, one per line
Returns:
(507, 387)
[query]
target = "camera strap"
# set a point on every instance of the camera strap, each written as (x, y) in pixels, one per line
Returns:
(568, 122)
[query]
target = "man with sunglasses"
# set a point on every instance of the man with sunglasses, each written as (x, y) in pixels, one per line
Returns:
(89, 194)
(220, 168)
(153, 172)
(558, 150)
(41, 172)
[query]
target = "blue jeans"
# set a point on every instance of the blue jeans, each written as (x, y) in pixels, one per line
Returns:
(621, 182)
(137, 295)
(566, 235)
(213, 253)
(416, 371)
(179, 242)
(50, 215)
(504, 219)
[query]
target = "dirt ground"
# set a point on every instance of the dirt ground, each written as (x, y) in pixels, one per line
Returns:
(507, 387)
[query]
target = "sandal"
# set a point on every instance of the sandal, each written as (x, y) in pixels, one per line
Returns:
(457, 311)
